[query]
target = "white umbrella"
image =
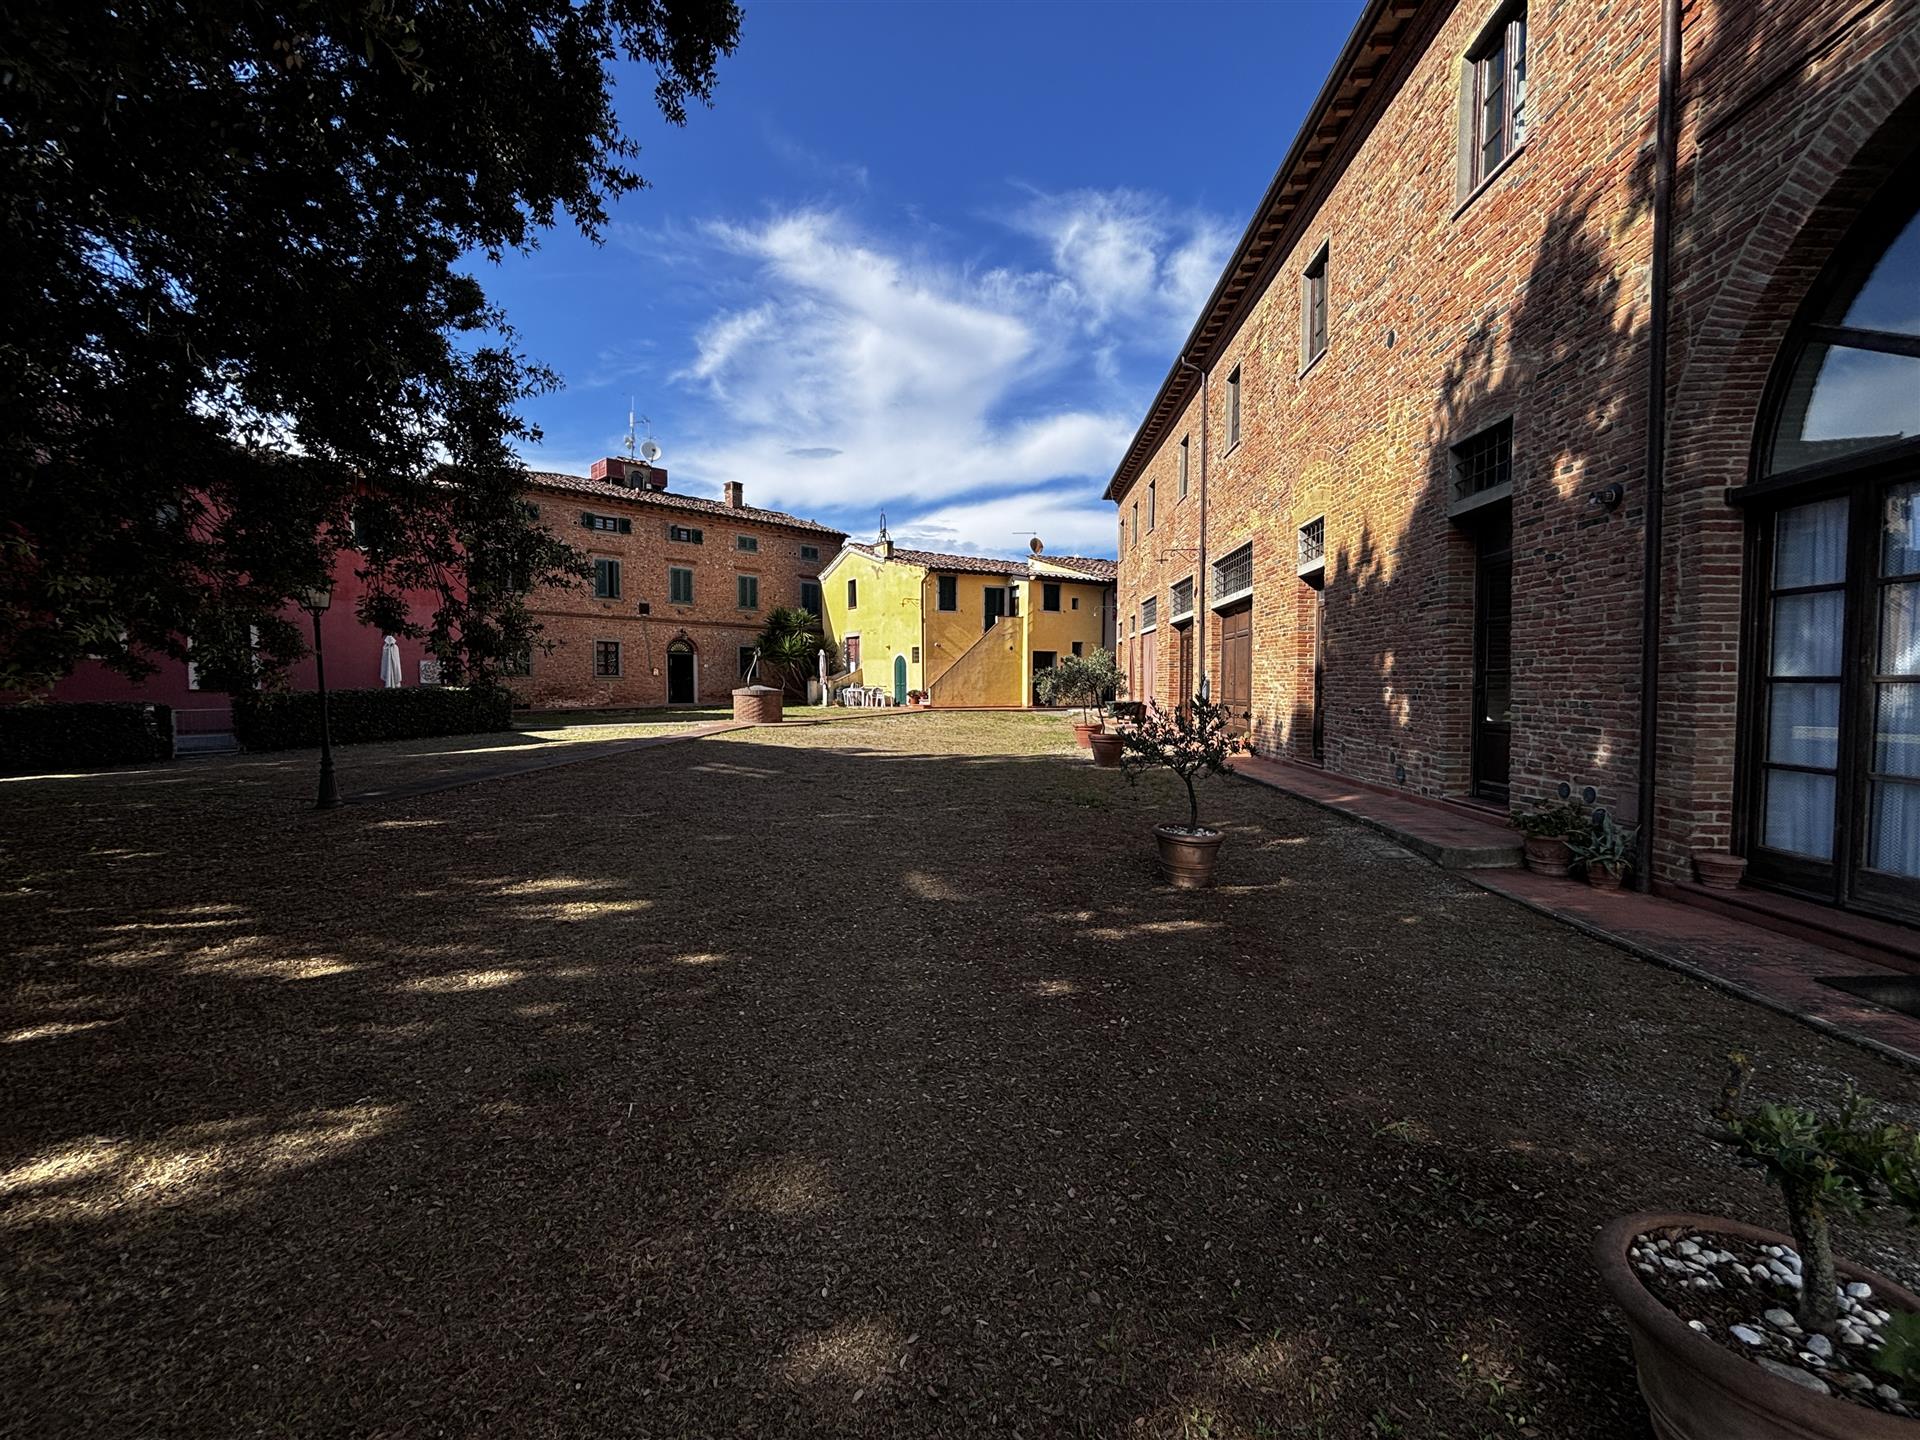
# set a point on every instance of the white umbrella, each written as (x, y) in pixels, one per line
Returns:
(390, 673)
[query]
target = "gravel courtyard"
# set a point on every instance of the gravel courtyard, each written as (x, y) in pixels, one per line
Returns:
(842, 1079)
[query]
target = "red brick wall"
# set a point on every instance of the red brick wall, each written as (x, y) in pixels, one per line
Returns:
(573, 619)
(1530, 302)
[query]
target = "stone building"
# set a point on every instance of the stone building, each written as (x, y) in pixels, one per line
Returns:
(682, 587)
(1392, 500)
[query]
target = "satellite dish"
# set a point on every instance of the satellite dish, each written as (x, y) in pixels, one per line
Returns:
(1035, 545)
(650, 450)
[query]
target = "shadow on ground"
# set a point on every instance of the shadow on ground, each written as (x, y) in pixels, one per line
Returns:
(852, 1079)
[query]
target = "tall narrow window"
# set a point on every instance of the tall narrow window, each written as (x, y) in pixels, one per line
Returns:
(949, 592)
(1185, 451)
(749, 587)
(679, 585)
(1499, 100)
(1136, 522)
(1153, 504)
(1233, 408)
(853, 594)
(1807, 604)
(606, 579)
(810, 596)
(1313, 309)
(1049, 596)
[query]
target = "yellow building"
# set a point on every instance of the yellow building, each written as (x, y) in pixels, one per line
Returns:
(968, 629)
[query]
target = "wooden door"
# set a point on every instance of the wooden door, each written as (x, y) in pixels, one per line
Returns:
(1493, 659)
(1236, 666)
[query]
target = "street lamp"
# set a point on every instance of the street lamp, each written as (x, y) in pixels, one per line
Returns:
(316, 599)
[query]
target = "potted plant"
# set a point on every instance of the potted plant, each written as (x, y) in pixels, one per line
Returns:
(1191, 743)
(1716, 868)
(1083, 680)
(1545, 833)
(1740, 1331)
(914, 697)
(1605, 851)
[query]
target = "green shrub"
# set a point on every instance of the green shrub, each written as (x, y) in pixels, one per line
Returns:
(289, 720)
(36, 738)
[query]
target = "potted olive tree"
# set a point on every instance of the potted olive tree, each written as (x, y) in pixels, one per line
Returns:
(1740, 1331)
(1546, 832)
(1085, 681)
(1192, 743)
(1605, 851)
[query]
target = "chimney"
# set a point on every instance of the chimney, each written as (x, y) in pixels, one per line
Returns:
(734, 494)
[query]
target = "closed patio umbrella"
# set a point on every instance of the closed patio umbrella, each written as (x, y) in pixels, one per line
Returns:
(822, 657)
(390, 674)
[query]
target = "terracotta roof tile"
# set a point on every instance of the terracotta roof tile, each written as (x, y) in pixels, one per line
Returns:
(667, 500)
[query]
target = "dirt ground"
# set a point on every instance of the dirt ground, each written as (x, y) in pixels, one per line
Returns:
(849, 1079)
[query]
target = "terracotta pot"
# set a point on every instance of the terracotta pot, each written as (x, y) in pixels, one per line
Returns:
(1548, 854)
(1695, 1388)
(1106, 748)
(1718, 870)
(1186, 859)
(1084, 734)
(1602, 878)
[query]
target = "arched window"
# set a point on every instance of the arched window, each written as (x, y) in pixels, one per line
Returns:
(1832, 791)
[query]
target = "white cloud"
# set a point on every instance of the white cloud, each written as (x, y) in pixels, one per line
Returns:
(841, 371)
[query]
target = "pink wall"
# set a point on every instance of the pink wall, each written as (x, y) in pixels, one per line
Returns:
(352, 654)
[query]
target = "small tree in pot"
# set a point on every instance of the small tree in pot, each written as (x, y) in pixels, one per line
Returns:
(1705, 1298)
(1083, 680)
(1192, 742)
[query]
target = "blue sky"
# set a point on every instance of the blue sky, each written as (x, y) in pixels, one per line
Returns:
(922, 258)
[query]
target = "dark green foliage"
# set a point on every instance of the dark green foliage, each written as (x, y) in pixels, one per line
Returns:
(790, 649)
(1899, 1352)
(1567, 820)
(237, 245)
(38, 739)
(1603, 845)
(287, 720)
(1827, 1167)
(1083, 680)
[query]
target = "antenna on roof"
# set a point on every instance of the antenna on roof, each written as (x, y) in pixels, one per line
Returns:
(1034, 544)
(632, 402)
(883, 526)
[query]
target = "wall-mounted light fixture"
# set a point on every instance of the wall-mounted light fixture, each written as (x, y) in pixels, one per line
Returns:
(1607, 497)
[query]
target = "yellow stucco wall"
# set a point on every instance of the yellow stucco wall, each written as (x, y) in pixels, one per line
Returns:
(898, 614)
(886, 617)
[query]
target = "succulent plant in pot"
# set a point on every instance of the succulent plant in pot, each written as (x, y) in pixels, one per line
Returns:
(1192, 742)
(1605, 850)
(1548, 830)
(1742, 1333)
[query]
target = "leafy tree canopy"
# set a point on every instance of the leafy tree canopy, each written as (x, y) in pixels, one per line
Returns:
(234, 324)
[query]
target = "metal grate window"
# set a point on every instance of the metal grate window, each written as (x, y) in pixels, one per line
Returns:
(1313, 542)
(1181, 598)
(1149, 612)
(606, 658)
(1483, 462)
(1233, 572)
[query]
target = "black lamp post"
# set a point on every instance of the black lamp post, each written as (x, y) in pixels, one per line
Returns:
(316, 600)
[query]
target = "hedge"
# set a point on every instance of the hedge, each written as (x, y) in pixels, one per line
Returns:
(38, 739)
(289, 720)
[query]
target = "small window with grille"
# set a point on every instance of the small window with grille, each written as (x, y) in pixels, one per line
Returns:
(1149, 612)
(1313, 544)
(1180, 599)
(1483, 463)
(1233, 573)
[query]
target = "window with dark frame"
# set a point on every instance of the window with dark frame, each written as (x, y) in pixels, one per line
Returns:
(1153, 504)
(1185, 452)
(1233, 408)
(1136, 522)
(1149, 612)
(1079, 647)
(679, 585)
(1499, 100)
(1483, 462)
(748, 588)
(949, 596)
(685, 534)
(1233, 572)
(1313, 308)
(606, 579)
(606, 659)
(1180, 599)
(810, 600)
(1313, 543)
(853, 594)
(748, 543)
(606, 524)
(809, 552)
(1049, 595)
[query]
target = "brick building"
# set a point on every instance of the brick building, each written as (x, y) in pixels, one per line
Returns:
(682, 587)
(1391, 500)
